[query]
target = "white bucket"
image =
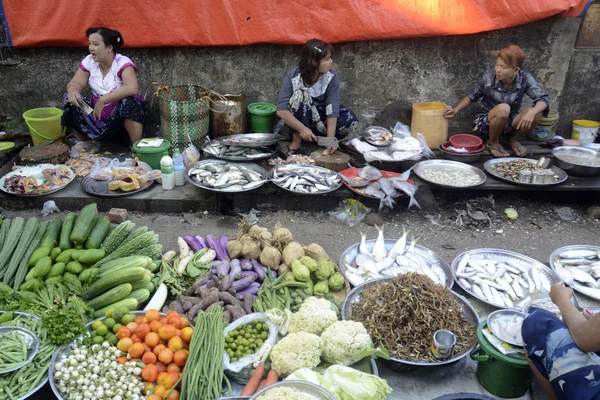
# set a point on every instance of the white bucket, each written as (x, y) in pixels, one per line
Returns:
(585, 131)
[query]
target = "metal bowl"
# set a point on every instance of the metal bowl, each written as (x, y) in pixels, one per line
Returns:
(256, 168)
(371, 129)
(300, 167)
(397, 363)
(315, 391)
(466, 158)
(499, 314)
(32, 340)
(592, 146)
(579, 287)
(445, 164)
(574, 169)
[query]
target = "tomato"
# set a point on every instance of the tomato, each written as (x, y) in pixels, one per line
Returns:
(171, 379)
(122, 360)
(136, 350)
(174, 395)
(154, 396)
(152, 315)
(173, 368)
(172, 313)
(148, 388)
(166, 332)
(135, 338)
(150, 373)
(124, 344)
(149, 358)
(166, 356)
(142, 330)
(185, 322)
(154, 325)
(175, 343)
(132, 326)
(186, 334)
(152, 339)
(146, 347)
(158, 348)
(180, 357)
(123, 332)
(140, 319)
(160, 390)
(176, 322)
(161, 367)
(160, 379)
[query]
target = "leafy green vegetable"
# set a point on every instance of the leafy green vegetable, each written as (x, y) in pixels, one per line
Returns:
(10, 301)
(63, 325)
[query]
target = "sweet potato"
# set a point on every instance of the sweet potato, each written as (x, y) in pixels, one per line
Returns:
(227, 298)
(227, 316)
(214, 305)
(196, 285)
(236, 311)
(225, 283)
(247, 303)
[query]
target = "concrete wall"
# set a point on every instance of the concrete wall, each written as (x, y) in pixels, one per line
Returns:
(380, 80)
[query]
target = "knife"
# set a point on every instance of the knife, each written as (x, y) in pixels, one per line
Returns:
(328, 141)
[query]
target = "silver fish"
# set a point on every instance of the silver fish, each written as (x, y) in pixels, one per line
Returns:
(545, 282)
(576, 261)
(379, 247)
(355, 182)
(518, 289)
(478, 292)
(362, 247)
(465, 283)
(487, 292)
(440, 273)
(562, 272)
(385, 263)
(578, 254)
(373, 190)
(535, 276)
(409, 189)
(367, 263)
(400, 245)
(507, 288)
(370, 173)
(507, 301)
(462, 264)
(496, 295)
(532, 286)
(501, 270)
(582, 277)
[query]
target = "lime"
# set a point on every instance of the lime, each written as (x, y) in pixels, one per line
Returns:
(96, 324)
(124, 310)
(116, 327)
(109, 312)
(113, 339)
(97, 340)
(117, 315)
(110, 322)
(127, 319)
(102, 330)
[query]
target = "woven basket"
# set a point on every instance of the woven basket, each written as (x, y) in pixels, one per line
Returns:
(184, 115)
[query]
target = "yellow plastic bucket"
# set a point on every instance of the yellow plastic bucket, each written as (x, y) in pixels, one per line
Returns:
(44, 124)
(585, 131)
(428, 119)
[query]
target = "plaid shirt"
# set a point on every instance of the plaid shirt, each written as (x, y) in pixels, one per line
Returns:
(493, 93)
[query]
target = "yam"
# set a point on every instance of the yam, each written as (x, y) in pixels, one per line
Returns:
(270, 257)
(283, 236)
(251, 249)
(316, 252)
(227, 316)
(256, 230)
(234, 248)
(292, 252)
(283, 268)
(245, 238)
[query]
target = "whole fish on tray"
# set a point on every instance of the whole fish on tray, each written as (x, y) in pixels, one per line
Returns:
(401, 259)
(306, 179)
(580, 268)
(226, 177)
(222, 150)
(505, 283)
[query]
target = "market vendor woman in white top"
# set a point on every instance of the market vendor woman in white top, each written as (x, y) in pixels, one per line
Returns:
(309, 99)
(115, 99)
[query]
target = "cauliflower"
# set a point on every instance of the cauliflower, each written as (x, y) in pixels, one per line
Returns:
(346, 342)
(295, 351)
(314, 316)
(280, 318)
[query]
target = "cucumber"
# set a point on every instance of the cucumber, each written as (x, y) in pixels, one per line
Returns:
(4, 288)
(130, 303)
(55, 253)
(115, 294)
(122, 263)
(67, 274)
(152, 267)
(140, 284)
(83, 224)
(109, 281)
(79, 246)
(30, 275)
(30, 286)
(98, 233)
(65, 233)
(39, 253)
(141, 295)
(74, 267)
(42, 267)
(52, 235)
(57, 270)
(65, 256)
(87, 274)
(90, 256)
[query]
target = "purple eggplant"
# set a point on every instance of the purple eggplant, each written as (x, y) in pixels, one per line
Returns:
(223, 242)
(246, 265)
(234, 263)
(234, 271)
(243, 283)
(202, 242)
(192, 242)
(213, 271)
(259, 269)
(246, 273)
(222, 267)
(249, 290)
(274, 274)
(214, 244)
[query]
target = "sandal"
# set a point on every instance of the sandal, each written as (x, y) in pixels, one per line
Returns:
(289, 152)
(519, 149)
(497, 150)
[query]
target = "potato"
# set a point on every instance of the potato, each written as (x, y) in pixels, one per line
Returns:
(283, 236)
(270, 257)
(292, 251)
(315, 252)
(234, 248)
(251, 249)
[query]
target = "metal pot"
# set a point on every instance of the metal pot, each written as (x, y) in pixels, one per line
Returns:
(228, 115)
(574, 169)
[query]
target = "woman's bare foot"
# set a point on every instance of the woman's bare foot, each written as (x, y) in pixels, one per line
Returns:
(496, 149)
(518, 148)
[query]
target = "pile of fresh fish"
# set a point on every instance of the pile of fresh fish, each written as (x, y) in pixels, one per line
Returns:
(371, 182)
(222, 150)
(508, 328)
(581, 269)
(378, 136)
(499, 282)
(225, 177)
(401, 149)
(306, 179)
(401, 259)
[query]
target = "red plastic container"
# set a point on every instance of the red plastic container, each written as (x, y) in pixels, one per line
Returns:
(469, 142)
(446, 146)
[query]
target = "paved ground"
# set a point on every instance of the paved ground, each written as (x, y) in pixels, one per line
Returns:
(460, 224)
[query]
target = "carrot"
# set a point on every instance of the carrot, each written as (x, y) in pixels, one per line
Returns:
(271, 378)
(262, 384)
(252, 385)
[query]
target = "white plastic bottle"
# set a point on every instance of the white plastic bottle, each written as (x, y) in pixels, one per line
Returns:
(168, 176)
(178, 168)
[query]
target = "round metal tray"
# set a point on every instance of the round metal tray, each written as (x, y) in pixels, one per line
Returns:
(34, 170)
(292, 167)
(32, 340)
(316, 391)
(348, 256)
(253, 167)
(465, 158)
(377, 128)
(499, 314)
(100, 188)
(503, 255)
(444, 164)
(579, 287)
(489, 167)
(536, 303)
(272, 150)
(468, 310)
(251, 139)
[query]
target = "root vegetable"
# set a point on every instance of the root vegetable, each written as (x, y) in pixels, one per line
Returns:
(292, 251)
(225, 283)
(187, 305)
(315, 252)
(247, 303)
(177, 306)
(256, 230)
(209, 293)
(251, 249)
(213, 305)
(207, 257)
(235, 271)
(283, 268)
(227, 298)
(245, 238)
(282, 236)
(227, 316)
(169, 256)
(270, 257)
(196, 285)
(234, 248)
(242, 283)
(236, 311)
(246, 265)
(184, 249)
(214, 282)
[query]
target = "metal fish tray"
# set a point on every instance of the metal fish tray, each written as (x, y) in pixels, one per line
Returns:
(253, 167)
(375, 129)
(32, 340)
(351, 252)
(251, 139)
(489, 167)
(397, 363)
(315, 391)
(272, 150)
(574, 285)
(500, 314)
(299, 167)
(503, 255)
(444, 164)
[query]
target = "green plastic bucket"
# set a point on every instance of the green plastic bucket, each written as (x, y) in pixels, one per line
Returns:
(261, 117)
(44, 124)
(501, 375)
(151, 155)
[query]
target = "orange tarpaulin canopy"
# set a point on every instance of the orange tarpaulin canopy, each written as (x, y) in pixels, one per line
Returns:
(160, 23)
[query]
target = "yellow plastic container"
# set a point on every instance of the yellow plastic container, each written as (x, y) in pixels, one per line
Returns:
(428, 119)
(585, 131)
(44, 124)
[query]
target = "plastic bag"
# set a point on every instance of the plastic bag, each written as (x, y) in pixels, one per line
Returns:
(49, 207)
(190, 155)
(245, 365)
(351, 211)
(401, 130)
(80, 148)
(101, 171)
(426, 150)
